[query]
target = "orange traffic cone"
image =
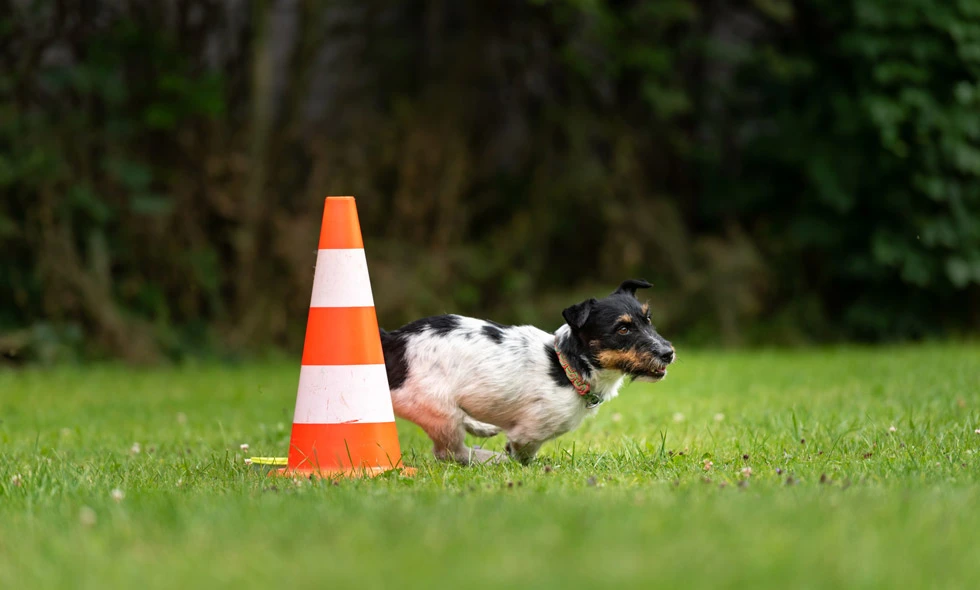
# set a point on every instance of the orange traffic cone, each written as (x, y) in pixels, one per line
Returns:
(343, 421)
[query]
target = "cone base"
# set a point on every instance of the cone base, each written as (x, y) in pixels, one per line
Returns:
(338, 473)
(344, 447)
(276, 467)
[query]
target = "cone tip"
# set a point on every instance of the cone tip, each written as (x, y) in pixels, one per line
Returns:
(340, 227)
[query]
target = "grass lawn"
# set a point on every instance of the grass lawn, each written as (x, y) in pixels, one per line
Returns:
(865, 472)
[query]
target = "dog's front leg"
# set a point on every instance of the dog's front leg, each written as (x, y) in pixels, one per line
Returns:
(523, 452)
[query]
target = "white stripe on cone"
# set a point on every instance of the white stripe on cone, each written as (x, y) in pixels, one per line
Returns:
(341, 279)
(336, 394)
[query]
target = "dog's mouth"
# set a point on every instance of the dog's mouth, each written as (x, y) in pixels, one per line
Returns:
(650, 375)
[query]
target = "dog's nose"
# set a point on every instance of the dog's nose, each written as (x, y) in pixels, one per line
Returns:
(667, 356)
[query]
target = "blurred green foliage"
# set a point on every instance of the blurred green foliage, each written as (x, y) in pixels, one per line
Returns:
(784, 171)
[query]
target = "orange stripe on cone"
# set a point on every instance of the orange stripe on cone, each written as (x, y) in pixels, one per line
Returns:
(342, 336)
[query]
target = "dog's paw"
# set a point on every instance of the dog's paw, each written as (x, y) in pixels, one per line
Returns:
(484, 457)
(523, 454)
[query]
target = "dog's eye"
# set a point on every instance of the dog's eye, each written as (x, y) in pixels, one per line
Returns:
(623, 330)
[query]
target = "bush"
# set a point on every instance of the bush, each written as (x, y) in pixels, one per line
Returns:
(782, 171)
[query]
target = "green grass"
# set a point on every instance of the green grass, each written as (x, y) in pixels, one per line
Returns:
(834, 499)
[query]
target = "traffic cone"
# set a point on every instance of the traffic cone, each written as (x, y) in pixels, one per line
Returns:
(343, 423)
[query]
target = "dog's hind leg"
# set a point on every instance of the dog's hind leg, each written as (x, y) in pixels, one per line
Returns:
(480, 429)
(445, 427)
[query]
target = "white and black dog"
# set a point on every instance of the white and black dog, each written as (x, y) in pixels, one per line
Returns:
(451, 374)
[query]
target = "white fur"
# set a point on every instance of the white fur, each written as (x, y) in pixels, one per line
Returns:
(463, 381)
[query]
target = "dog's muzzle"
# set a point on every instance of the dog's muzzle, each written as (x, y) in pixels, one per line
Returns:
(642, 365)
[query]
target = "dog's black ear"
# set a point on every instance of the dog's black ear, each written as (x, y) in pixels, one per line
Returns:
(578, 314)
(630, 286)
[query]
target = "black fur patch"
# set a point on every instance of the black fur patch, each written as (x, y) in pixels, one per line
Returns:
(393, 346)
(443, 324)
(493, 332)
(439, 325)
(555, 371)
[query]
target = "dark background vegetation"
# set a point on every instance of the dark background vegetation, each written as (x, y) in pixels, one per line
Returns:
(784, 171)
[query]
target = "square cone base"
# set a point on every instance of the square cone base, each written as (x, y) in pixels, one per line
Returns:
(279, 467)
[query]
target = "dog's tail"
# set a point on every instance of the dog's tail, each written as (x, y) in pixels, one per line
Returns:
(480, 429)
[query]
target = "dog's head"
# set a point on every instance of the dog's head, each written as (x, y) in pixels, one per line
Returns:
(619, 334)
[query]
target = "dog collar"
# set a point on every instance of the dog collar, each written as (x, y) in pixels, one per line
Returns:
(581, 385)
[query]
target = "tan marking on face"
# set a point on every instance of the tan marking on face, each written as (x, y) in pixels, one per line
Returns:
(626, 318)
(645, 308)
(627, 360)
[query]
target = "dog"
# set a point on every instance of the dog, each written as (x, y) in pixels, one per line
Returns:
(451, 374)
